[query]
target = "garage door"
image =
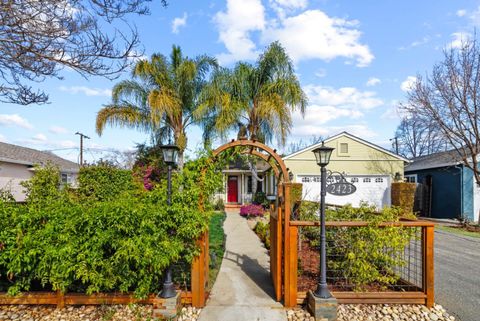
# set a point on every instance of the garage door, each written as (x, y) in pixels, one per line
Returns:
(373, 189)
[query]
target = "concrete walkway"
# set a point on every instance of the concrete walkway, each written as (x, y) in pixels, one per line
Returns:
(243, 290)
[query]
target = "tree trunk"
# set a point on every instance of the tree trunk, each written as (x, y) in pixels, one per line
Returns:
(254, 179)
(180, 159)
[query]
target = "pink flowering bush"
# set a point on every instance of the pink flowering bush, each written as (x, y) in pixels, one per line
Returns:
(251, 210)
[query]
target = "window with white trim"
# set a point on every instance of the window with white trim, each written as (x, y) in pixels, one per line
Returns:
(66, 178)
(354, 180)
(410, 178)
(367, 180)
(305, 179)
(378, 180)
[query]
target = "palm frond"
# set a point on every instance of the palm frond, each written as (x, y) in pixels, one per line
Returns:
(123, 116)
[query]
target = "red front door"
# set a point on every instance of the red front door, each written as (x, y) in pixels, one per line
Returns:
(232, 191)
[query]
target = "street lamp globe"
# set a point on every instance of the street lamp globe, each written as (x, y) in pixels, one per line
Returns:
(322, 154)
(170, 153)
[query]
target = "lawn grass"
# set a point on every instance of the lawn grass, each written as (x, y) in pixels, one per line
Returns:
(216, 238)
(457, 231)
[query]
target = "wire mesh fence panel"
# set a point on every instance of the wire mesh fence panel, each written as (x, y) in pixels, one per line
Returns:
(182, 275)
(362, 259)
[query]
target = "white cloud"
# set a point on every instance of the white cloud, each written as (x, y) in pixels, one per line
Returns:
(458, 39)
(345, 97)
(41, 138)
(360, 130)
(461, 12)
(373, 81)
(235, 25)
(3, 138)
(329, 104)
(318, 115)
(291, 4)
(475, 17)
(87, 91)
(314, 35)
(321, 73)
(66, 144)
(44, 143)
(311, 34)
(14, 120)
(58, 130)
(408, 83)
(392, 112)
(179, 22)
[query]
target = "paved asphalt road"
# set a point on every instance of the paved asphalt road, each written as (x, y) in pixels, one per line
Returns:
(457, 275)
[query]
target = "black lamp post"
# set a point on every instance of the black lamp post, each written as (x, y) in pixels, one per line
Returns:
(322, 154)
(170, 158)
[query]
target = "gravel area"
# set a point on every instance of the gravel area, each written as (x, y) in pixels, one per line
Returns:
(379, 312)
(133, 312)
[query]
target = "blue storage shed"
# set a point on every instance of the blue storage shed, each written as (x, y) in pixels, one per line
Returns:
(446, 188)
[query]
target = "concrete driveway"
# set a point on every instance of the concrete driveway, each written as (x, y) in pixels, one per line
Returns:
(457, 275)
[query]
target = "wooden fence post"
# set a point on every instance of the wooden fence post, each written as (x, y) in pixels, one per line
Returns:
(291, 268)
(200, 273)
(290, 255)
(428, 268)
(60, 299)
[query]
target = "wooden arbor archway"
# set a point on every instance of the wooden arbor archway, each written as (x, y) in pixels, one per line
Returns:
(279, 217)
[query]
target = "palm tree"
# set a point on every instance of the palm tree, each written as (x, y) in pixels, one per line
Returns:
(255, 99)
(160, 98)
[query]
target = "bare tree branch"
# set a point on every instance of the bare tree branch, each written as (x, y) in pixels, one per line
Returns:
(448, 101)
(39, 38)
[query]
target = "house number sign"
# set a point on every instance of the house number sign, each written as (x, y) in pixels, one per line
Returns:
(339, 186)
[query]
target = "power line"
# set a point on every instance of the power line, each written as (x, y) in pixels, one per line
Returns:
(82, 136)
(395, 139)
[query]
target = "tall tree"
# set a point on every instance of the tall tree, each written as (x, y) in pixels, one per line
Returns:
(450, 98)
(39, 38)
(161, 97)
(417, 137)
(255, 99)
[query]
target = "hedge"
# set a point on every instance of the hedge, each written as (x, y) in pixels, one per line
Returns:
(105, 235)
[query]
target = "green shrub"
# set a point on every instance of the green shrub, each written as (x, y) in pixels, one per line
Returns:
(366, 255)
(104, 182)
(260, 198)
(44, 185)
(262, 229)
(219, 205)
(120, 240)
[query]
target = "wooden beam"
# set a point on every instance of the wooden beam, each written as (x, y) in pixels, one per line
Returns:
(198, 273)
(53, 298)
(428, 268)
(388, 297)
(259, 145)
(363, 224)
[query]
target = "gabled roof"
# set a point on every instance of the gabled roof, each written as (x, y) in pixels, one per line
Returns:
(436, 160)
(346, 134)
(27, 156)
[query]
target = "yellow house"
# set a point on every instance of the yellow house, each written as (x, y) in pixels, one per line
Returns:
(369, 167)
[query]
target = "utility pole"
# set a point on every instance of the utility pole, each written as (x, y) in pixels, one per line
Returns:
(82, 136)
(395, 139)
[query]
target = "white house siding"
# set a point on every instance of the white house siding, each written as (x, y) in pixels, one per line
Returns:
(11, 175)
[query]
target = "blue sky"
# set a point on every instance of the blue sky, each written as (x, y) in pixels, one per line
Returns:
(354, 59)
